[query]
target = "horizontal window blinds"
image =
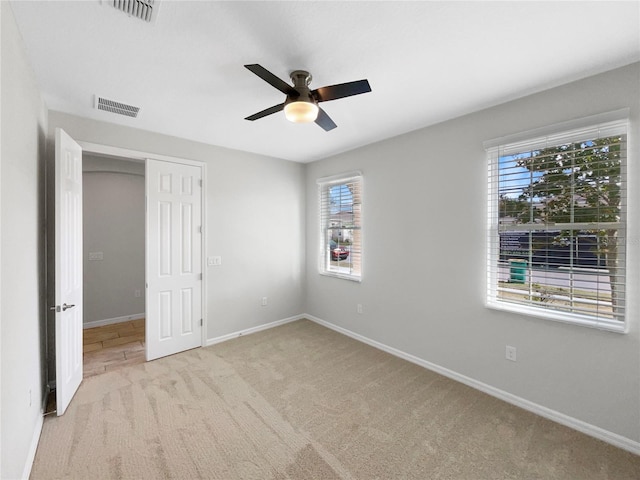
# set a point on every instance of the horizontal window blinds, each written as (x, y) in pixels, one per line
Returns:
(557, 217)
(341, 226)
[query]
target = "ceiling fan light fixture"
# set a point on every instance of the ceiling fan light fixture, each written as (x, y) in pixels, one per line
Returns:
(301, 112)
(301, 104)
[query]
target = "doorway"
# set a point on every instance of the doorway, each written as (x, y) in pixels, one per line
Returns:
(113, 262)
(173, 256)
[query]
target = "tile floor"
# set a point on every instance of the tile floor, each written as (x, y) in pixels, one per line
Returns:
(113, 346)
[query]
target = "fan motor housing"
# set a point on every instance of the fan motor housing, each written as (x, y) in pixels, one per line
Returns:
(301, 80)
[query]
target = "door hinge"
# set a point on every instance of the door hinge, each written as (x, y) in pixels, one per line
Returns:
(200, 182)
(201, 322)
(199, 276)
(200, 229)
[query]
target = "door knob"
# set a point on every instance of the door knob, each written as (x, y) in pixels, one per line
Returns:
(64, 307)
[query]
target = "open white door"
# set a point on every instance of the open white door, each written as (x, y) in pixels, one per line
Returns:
(174, 258)
(68, 268)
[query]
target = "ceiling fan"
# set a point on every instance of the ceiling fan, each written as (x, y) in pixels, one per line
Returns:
(301, 104)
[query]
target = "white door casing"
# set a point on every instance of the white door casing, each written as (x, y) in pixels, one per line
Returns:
(68, 268)
(174, 258)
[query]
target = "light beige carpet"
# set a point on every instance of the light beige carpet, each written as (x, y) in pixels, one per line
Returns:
(303, 402)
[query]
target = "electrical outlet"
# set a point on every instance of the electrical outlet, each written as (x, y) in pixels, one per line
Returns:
(510, 353)
(359, 308)
(264, 301)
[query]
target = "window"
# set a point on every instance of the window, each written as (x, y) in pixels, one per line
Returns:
(341, 226)
(557, 218)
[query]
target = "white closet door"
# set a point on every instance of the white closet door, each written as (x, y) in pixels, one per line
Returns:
(174, 258)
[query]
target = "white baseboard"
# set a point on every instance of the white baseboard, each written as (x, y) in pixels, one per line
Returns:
(31, 454)
(248, 331)
(109, 321)
(566, 420)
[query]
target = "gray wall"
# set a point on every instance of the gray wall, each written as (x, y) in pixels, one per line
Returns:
(23, 127)
(428, 298)
(255, 222)
(114, 225)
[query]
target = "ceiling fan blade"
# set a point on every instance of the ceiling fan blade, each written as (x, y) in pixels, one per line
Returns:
(265, 112)
(325, 121)
(272, 80)
(341, 90)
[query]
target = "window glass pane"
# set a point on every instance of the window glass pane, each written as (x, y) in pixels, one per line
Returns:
(576, 182)
(341, 251)
(574, 270)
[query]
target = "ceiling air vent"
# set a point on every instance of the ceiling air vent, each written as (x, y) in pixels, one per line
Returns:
(143, 9)
(112, 106)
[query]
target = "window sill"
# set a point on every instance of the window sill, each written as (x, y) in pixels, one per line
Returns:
(343, 276)
(572, 319)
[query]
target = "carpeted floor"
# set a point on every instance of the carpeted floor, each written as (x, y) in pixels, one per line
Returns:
(303, 402)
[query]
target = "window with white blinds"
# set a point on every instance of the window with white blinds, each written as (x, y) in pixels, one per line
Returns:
(341, 226)
(557, 218)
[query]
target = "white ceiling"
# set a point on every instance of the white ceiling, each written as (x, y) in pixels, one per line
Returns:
(426, 62)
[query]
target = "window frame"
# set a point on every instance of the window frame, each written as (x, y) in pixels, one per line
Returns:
(615, 122)
(324, 184)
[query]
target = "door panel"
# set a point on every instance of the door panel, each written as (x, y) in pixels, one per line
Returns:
(174, 258)
(68, 268)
